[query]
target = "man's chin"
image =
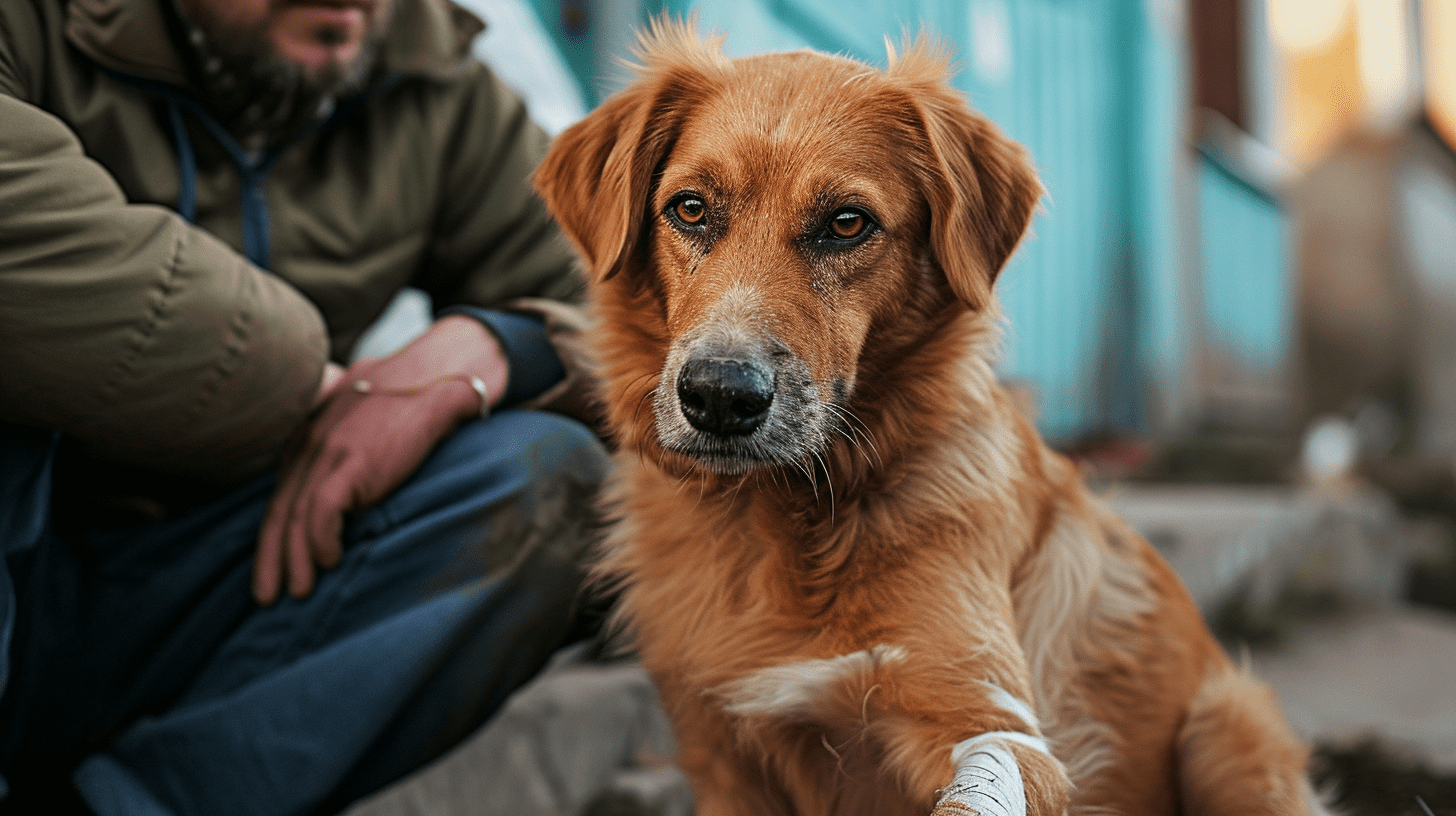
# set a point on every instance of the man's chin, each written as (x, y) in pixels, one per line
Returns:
(271, 79)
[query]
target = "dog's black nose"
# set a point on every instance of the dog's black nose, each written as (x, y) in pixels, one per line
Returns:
(729, 397)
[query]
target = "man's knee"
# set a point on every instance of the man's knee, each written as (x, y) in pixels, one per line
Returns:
(548, 443)
(536, 440)
(518, 488)
(563, 464)
(541, 457)
(512, 453)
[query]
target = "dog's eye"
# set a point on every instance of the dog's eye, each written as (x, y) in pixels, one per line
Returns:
(690, 210)
(848, 224)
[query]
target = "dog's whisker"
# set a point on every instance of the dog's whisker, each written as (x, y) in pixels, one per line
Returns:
(858, 427)
(856, 447)
(685, 480)
(864, 705)
(646, 393)
(853, 429)
(702, 481)
(808, 471)
(829, 483)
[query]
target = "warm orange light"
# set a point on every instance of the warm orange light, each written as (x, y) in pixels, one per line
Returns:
(1323, 98)
(1306, 25)
(1347, 64)
(1439, 44)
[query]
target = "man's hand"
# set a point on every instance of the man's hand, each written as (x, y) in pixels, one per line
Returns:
(362, 444)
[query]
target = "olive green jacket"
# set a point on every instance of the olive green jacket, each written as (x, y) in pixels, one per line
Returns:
(154, 341)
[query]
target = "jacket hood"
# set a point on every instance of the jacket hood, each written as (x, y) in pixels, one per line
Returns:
(426, 37)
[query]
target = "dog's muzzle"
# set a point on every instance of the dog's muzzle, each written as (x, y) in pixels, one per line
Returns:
(725, 396)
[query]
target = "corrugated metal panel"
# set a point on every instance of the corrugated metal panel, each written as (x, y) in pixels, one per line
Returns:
(1160, 179)
(1055, 99)
(1245, 246)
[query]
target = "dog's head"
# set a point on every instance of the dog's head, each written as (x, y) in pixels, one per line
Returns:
(767, 237)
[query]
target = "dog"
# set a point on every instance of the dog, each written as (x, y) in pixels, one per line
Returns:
(859, 578)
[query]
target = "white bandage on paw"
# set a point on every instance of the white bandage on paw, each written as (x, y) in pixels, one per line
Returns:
(987, 778)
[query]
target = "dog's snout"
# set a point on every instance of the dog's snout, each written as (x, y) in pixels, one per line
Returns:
(725, 396)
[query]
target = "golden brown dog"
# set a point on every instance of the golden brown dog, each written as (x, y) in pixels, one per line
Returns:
(861, 581)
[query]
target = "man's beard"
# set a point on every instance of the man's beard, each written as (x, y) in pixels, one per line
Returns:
(264, 99)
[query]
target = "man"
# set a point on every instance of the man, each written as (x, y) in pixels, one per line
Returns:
(238, 577)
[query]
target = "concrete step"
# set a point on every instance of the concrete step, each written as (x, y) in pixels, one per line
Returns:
(577, 730)
(1257, 544)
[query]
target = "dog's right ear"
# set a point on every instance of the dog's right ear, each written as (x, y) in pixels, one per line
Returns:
(596, 177)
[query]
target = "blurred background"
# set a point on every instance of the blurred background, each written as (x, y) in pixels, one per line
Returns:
(1237, 309)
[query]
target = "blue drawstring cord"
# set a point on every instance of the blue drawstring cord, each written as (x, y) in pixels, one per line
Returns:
(257, 244)
(257, 237)
(187, 164)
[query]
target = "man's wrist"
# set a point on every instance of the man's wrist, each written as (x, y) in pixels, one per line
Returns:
(533, 364)
(464, 397)
(487, 374)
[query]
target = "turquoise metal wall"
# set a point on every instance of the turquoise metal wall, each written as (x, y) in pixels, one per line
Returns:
(1245, 255)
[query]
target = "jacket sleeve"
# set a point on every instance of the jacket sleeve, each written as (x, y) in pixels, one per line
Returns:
(146, 339)
(495, 246)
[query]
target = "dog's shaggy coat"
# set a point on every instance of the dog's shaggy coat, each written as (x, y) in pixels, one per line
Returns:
(861, 581)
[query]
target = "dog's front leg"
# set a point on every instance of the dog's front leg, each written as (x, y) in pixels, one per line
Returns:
(726, 780)
(984, 755)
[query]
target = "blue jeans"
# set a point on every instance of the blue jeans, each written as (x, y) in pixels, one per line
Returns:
(138, 668)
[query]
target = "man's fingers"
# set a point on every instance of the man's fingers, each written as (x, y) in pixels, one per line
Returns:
(324, 516)
(316, 496)
(267, 566)
(270, 564)
(297, 555)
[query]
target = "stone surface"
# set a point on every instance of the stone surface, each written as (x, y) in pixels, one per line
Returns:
(556, 745)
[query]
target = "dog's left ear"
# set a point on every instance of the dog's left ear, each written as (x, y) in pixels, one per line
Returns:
(982, 192)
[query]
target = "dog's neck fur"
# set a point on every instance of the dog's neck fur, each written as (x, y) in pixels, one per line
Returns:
(823, 549)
